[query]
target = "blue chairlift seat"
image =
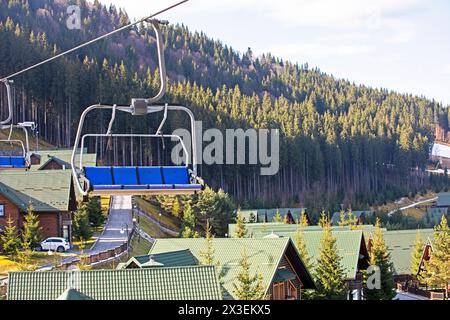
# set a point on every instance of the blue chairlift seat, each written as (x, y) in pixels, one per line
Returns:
(12, 163)
(136, 179)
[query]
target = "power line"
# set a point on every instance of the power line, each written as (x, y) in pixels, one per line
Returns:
(94, 40)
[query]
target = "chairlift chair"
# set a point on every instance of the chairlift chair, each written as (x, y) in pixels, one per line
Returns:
(150, 180)
(16, 163)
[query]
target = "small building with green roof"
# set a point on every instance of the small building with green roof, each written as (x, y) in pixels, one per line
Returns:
(162, 283)
(283, 273)
(267, 215)
(50, 193)
(401, 244)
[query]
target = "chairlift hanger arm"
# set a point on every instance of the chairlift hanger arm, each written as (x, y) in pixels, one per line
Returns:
(9, 99)
(146, 19)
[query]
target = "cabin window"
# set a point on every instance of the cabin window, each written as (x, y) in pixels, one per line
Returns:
(2, 210)
(278, 291)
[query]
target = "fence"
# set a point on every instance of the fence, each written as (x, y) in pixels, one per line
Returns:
(103, 256)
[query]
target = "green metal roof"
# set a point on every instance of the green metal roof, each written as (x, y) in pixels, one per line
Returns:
(434, 215)
(401, 244)
(255, 228)
(357, 214)
(261, 213)
(348, 244)
(443, 199)
(263, 254)
(177, 258)
(63, 156)
(180, 283)
(47, 190)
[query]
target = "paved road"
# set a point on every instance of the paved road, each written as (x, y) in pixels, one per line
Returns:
(120, 217)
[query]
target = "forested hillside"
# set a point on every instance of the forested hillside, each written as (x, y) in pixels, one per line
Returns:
(340, 142)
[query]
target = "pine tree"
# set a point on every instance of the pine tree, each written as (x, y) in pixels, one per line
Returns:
(31, 233)
(303, 221)
(96, 217)
(329, 273)
(417, 253)
(189, 223)
(436, 269)
(278, 217)
(9, 238)
(247, 286)
(342, 218)
(241, 230)
(176, 208)
(82, 230)
(24, 257)
(208, 255)
(380, 257)
(324, 220)
(301, 247)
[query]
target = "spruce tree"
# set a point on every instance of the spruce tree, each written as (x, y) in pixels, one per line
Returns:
(303, 221)
(9, 238)
(96, 217)
(329, 273)
(189, 223)
(82, 230)
(31, 233)
(241, 230)
(380, 257)
(436, 269)
(248, 286)
(416, 255)
(277, 217)
(342, 218)
(207, 256)
(301, 247)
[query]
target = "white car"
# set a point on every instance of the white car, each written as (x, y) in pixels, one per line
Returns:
(55, 244)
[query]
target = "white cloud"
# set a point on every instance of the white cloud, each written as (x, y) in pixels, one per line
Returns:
(446, 69)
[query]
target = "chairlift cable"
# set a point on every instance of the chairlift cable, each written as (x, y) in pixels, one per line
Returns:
(94, 40)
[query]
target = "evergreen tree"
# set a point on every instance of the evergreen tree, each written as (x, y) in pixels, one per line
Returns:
(82, 230)
(189, 223)
(96, 217)
(301, 247)
(342, 218)
(277, 217)
(31, 234)
(24, 257)
(329, 273)
(241, 230)
(9, 238)
(417, 253)
(380, 257)
(248, 286)
(303, 221)
(176, 207)
(324, 220)
(207, 256)
(437, 270)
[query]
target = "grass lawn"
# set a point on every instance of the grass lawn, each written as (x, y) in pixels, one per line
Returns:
(140, 246)
(151, 229)
(416, 212)
(6, 265)
(40, 259)
(166, 219)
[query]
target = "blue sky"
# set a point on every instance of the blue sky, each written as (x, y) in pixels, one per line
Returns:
(402, 45)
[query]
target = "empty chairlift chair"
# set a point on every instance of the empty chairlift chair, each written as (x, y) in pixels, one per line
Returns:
(179, 180)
